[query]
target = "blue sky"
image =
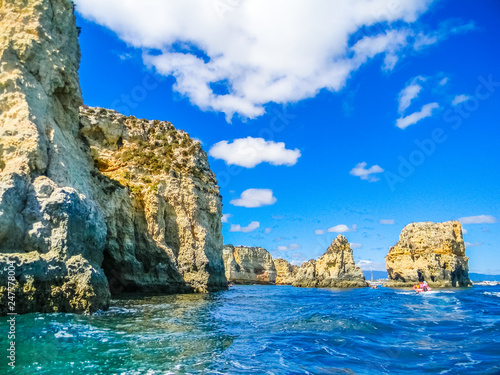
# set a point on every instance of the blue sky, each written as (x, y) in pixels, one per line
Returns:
(319, 119)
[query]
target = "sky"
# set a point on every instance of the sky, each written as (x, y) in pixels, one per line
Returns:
(319, 117)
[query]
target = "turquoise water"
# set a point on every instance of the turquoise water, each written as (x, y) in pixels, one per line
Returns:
(270, 330)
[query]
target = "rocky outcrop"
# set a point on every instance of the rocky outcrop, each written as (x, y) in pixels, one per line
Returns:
(334, 269)
(248, 265)
(93, 196)
(434, 252)
(285, 272)
(161, 202)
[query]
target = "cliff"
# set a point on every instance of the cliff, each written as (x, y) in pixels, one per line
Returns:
(248, 265)
(334, 269)
(434, 252)
(92, 202)
(285, 272)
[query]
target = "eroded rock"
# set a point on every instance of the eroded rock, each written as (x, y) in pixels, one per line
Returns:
(249, 265)
(434, 252)
(334, 269)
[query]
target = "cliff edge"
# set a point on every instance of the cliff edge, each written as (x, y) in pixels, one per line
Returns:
(81, 214)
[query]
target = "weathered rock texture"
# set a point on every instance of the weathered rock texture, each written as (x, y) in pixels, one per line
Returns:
(248, 265)
(285, 272)
(105, 196)
(434, 252)
(334, 269)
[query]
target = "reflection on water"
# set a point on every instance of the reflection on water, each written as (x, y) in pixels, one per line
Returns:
(273, 329)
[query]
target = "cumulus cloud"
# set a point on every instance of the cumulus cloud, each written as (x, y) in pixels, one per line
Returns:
(248, 152)
(460, 99)
(480, 219)
(255, 198)
(226, 217)
(368, 265)
(409, 93)
(268, 230)
(426, 111)
(292, 246)
(319, 231)
(249, 228)
(362, 172)
(342, 228)
(464, 231)
(355, 245)
(386, 221)
(239, 59)
(473, 244)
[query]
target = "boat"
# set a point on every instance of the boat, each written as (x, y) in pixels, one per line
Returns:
(417, 289)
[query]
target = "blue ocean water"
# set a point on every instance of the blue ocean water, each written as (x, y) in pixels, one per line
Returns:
(270, 330)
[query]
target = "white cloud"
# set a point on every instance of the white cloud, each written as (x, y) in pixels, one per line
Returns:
(292, 246)
(445, 30)
(366, 174)
(368, 265)
(460, 99)
(409, 93)
(443, 82)
(386, 221)
(248, 152)
(480, 219)
(415, 117)
(268, 230)
(342, 228)
(255, 198)
(249, 228)
(226, 217)
(355, 245)
(464, 231)
(262, 51)
(319, 231)
(473, 244)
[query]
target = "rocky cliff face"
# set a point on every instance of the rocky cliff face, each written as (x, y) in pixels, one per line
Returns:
(248, 265)
(334, 269)
(97, 198)
(434, 252)
(285, 272)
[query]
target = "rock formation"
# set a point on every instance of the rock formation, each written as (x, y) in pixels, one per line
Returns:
(334, 269)
(285, 272)
(248, 265)
(434, 252)
(92, 197)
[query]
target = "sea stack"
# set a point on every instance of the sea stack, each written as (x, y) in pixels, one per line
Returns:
(285, 272)
(334, 269)
(434, 252)
(248, 265)
(92, 202)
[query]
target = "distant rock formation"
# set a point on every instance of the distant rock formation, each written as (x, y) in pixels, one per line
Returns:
(248, 265)
(434, 252)
(285, 272)
(92, 201)
(334, 269)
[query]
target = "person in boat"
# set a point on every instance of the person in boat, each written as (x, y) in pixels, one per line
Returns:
(425, 287)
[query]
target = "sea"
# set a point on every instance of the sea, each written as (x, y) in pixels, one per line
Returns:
(268, 330)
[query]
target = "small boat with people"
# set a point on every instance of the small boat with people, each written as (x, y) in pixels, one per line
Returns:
(422, 287)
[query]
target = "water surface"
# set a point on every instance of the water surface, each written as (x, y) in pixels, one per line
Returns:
(270, 330)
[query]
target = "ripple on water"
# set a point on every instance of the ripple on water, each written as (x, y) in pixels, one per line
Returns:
(274, 330)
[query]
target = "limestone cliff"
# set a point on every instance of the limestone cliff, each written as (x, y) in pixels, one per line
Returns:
(334, 269)
(248, 265)
(285, 272)
(77, 205)
(434, 252)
